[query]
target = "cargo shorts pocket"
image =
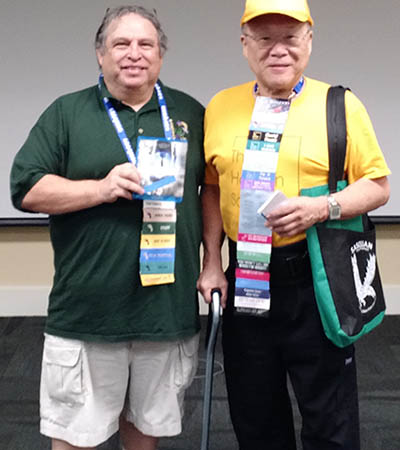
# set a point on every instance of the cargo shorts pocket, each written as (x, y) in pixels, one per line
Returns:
(188, 360)
(63, 374)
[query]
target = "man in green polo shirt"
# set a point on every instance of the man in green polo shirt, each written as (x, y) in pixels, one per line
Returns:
(114, 343)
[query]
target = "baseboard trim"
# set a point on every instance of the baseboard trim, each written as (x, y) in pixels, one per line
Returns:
(32, 300)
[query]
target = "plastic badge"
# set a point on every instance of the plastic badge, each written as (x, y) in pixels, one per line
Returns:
(273, 201)
(161, 164)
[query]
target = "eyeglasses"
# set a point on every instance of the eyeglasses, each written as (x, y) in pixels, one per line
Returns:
(289, 41)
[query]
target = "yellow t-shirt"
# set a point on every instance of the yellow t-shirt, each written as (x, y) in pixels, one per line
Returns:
(303, 155)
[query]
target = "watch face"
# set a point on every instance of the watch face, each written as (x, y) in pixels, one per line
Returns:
(334, 212)
(334, 208)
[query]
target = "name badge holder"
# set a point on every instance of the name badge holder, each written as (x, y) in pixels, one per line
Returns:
(161, 163)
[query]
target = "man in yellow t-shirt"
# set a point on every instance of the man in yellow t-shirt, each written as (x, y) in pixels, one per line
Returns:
(260, 353)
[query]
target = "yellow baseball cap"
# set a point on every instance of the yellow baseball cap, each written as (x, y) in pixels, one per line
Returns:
(298, 9)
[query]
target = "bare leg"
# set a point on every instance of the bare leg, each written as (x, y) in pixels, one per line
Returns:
(62, 445)
(133, 439)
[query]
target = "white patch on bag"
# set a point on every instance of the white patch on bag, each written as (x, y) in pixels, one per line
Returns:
(365, 292)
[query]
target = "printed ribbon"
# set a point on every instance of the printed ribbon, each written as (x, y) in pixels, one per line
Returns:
(157, 243)
(254, 244)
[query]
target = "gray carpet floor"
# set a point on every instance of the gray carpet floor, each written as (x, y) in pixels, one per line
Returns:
(378, 357)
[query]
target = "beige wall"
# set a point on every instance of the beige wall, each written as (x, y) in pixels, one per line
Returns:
(26, 261)
(25, 256)
(388, 246)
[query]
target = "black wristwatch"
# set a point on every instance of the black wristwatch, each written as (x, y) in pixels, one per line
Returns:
(335, 211)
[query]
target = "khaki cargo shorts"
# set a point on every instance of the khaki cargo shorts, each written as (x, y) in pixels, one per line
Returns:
(86, 386)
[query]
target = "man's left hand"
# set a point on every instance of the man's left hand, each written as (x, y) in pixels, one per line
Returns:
(297, 214)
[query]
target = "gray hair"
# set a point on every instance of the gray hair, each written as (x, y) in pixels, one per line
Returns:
(119, 11)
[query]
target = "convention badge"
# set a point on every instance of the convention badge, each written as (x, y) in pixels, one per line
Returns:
(162, 164)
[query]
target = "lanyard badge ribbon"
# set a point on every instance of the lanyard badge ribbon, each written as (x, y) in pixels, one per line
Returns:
(158, 235)
(254, 244)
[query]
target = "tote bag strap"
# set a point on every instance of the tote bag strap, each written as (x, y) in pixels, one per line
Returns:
(337, 134)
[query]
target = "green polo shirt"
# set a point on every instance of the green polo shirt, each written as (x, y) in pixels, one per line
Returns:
(97, 294)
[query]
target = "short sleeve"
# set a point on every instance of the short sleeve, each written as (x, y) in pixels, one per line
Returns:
(41, 154)
(365, 158)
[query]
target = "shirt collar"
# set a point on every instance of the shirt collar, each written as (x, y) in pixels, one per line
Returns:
(151, 105)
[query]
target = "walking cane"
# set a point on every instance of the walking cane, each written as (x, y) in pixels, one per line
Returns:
(216, 312)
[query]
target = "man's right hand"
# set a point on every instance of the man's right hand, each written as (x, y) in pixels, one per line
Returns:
(209, 279)
(121, 182)
(54, 194)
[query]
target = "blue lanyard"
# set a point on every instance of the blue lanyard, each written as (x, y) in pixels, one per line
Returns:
(164, 113)
(299, 86)
(115, 120)
(296, 89)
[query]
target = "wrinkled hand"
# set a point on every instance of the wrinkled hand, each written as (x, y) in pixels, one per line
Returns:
(209, 279)
(297, 214)
(120, 182)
